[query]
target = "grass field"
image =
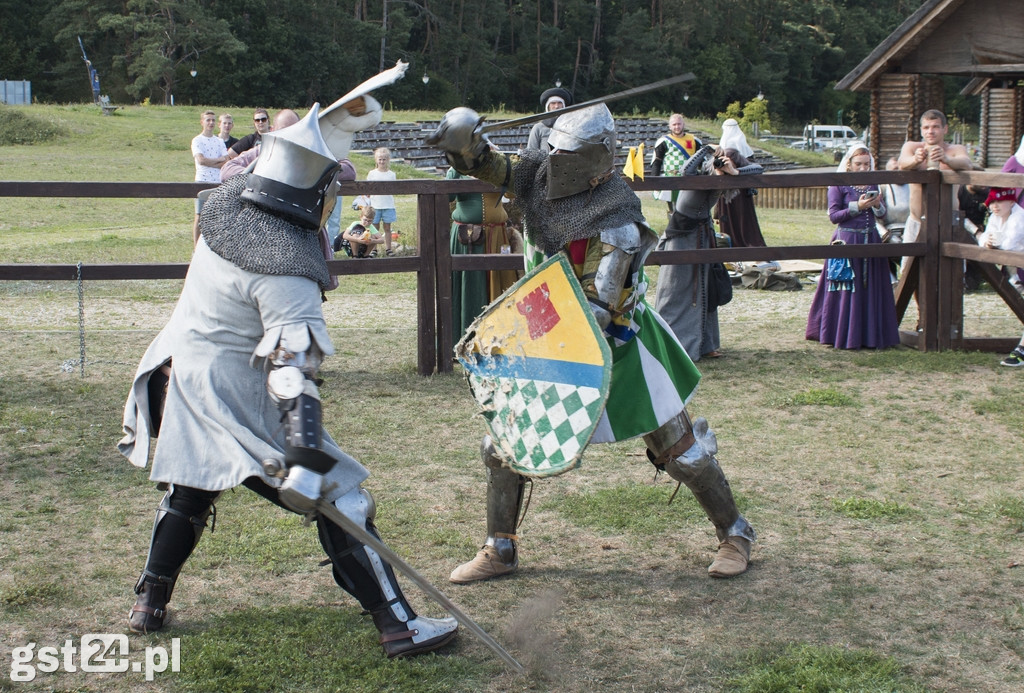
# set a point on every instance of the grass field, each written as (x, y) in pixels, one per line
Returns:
(886, 489)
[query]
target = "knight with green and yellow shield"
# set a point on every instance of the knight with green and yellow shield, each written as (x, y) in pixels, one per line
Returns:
(531, 360)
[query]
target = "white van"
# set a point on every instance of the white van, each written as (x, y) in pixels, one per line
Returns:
(828, 136)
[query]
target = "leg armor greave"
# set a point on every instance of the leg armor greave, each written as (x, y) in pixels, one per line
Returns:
(694, 465)
(360, 571)
(180, 520)
(500, 554)
(504, 503)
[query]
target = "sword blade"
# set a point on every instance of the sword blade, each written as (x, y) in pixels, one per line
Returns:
(332, 513)
(635, 91)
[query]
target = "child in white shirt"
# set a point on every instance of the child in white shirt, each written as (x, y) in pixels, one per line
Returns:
(384, 204)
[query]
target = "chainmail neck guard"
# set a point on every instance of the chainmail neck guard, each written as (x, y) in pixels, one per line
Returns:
(551, 224)
(257, 241)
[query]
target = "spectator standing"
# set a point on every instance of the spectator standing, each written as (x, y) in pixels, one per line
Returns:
(896, 201)
(682, 297)
(261, 121)
(209, 155)
(1015, 164)
(736, 215)
(208, 150)
(285, 117)
(383, 204)
(670, 153)
(227, 123)
(853, 306)
(551, 101)
(932, 152)
(479, 225)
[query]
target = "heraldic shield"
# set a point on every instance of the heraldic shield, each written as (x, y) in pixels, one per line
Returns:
(540, 370)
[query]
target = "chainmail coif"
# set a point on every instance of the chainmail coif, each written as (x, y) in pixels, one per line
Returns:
(257, 241)
(551, 224)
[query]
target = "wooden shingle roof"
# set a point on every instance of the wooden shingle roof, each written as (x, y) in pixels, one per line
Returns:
(979, 39)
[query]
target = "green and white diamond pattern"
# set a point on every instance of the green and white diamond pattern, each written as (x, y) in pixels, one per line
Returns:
(547, 425)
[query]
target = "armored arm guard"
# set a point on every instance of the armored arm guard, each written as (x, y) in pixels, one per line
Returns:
(750, 170)
(694, 163)
(292, 385)
(607, 269)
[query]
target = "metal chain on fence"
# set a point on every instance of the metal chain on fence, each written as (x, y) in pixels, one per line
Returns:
(81, 320)
(69, 365)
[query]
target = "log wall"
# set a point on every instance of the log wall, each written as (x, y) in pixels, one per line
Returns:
(897, 102)
(1002, 122)
(792, 198)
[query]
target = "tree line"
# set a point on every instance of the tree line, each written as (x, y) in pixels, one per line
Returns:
(482, 53)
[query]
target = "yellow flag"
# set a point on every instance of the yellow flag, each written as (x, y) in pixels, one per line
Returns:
(638, 162)
(627, 169)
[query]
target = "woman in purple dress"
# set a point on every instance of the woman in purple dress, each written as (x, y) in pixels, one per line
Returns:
(853, 306)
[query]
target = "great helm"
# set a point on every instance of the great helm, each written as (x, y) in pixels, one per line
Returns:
(585, 140)
(294, 173)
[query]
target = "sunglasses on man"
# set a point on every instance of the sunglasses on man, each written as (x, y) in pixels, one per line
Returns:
(260, 120)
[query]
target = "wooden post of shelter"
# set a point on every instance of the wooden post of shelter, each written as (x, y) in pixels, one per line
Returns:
(949, 287)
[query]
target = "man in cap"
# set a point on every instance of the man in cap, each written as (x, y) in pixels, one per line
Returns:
(230, 384)
(552, 100)
(574, 202)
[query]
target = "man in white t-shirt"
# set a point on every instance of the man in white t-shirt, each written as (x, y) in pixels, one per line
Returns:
(210, 153)
(208, 150)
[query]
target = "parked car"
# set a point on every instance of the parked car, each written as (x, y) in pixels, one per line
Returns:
(829, 136)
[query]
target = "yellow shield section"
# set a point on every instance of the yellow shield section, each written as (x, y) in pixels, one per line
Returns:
(539, 368)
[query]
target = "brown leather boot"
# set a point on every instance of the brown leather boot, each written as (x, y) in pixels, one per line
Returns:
(487, 563)
(150, 610)
(731, 559)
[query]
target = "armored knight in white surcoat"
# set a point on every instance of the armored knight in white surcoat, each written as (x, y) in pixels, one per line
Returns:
(229, 387)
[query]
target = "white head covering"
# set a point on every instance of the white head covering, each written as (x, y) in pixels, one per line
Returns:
(1019, 155)
(559, 99)
(733, 138)
(850, 151)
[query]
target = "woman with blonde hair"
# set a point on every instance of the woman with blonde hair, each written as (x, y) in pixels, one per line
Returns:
(853, 306)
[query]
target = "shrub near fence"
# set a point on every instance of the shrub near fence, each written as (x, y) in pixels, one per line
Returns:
(936, 272)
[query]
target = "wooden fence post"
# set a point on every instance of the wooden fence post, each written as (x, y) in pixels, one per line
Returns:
(426, 279)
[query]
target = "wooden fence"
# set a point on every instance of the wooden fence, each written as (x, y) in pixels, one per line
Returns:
(936, 268)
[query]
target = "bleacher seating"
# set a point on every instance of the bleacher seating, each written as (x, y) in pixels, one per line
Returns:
(407, 142)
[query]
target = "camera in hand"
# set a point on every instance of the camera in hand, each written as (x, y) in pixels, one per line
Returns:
(719, 162)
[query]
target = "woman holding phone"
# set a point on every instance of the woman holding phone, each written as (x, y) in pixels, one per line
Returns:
(853, 306)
